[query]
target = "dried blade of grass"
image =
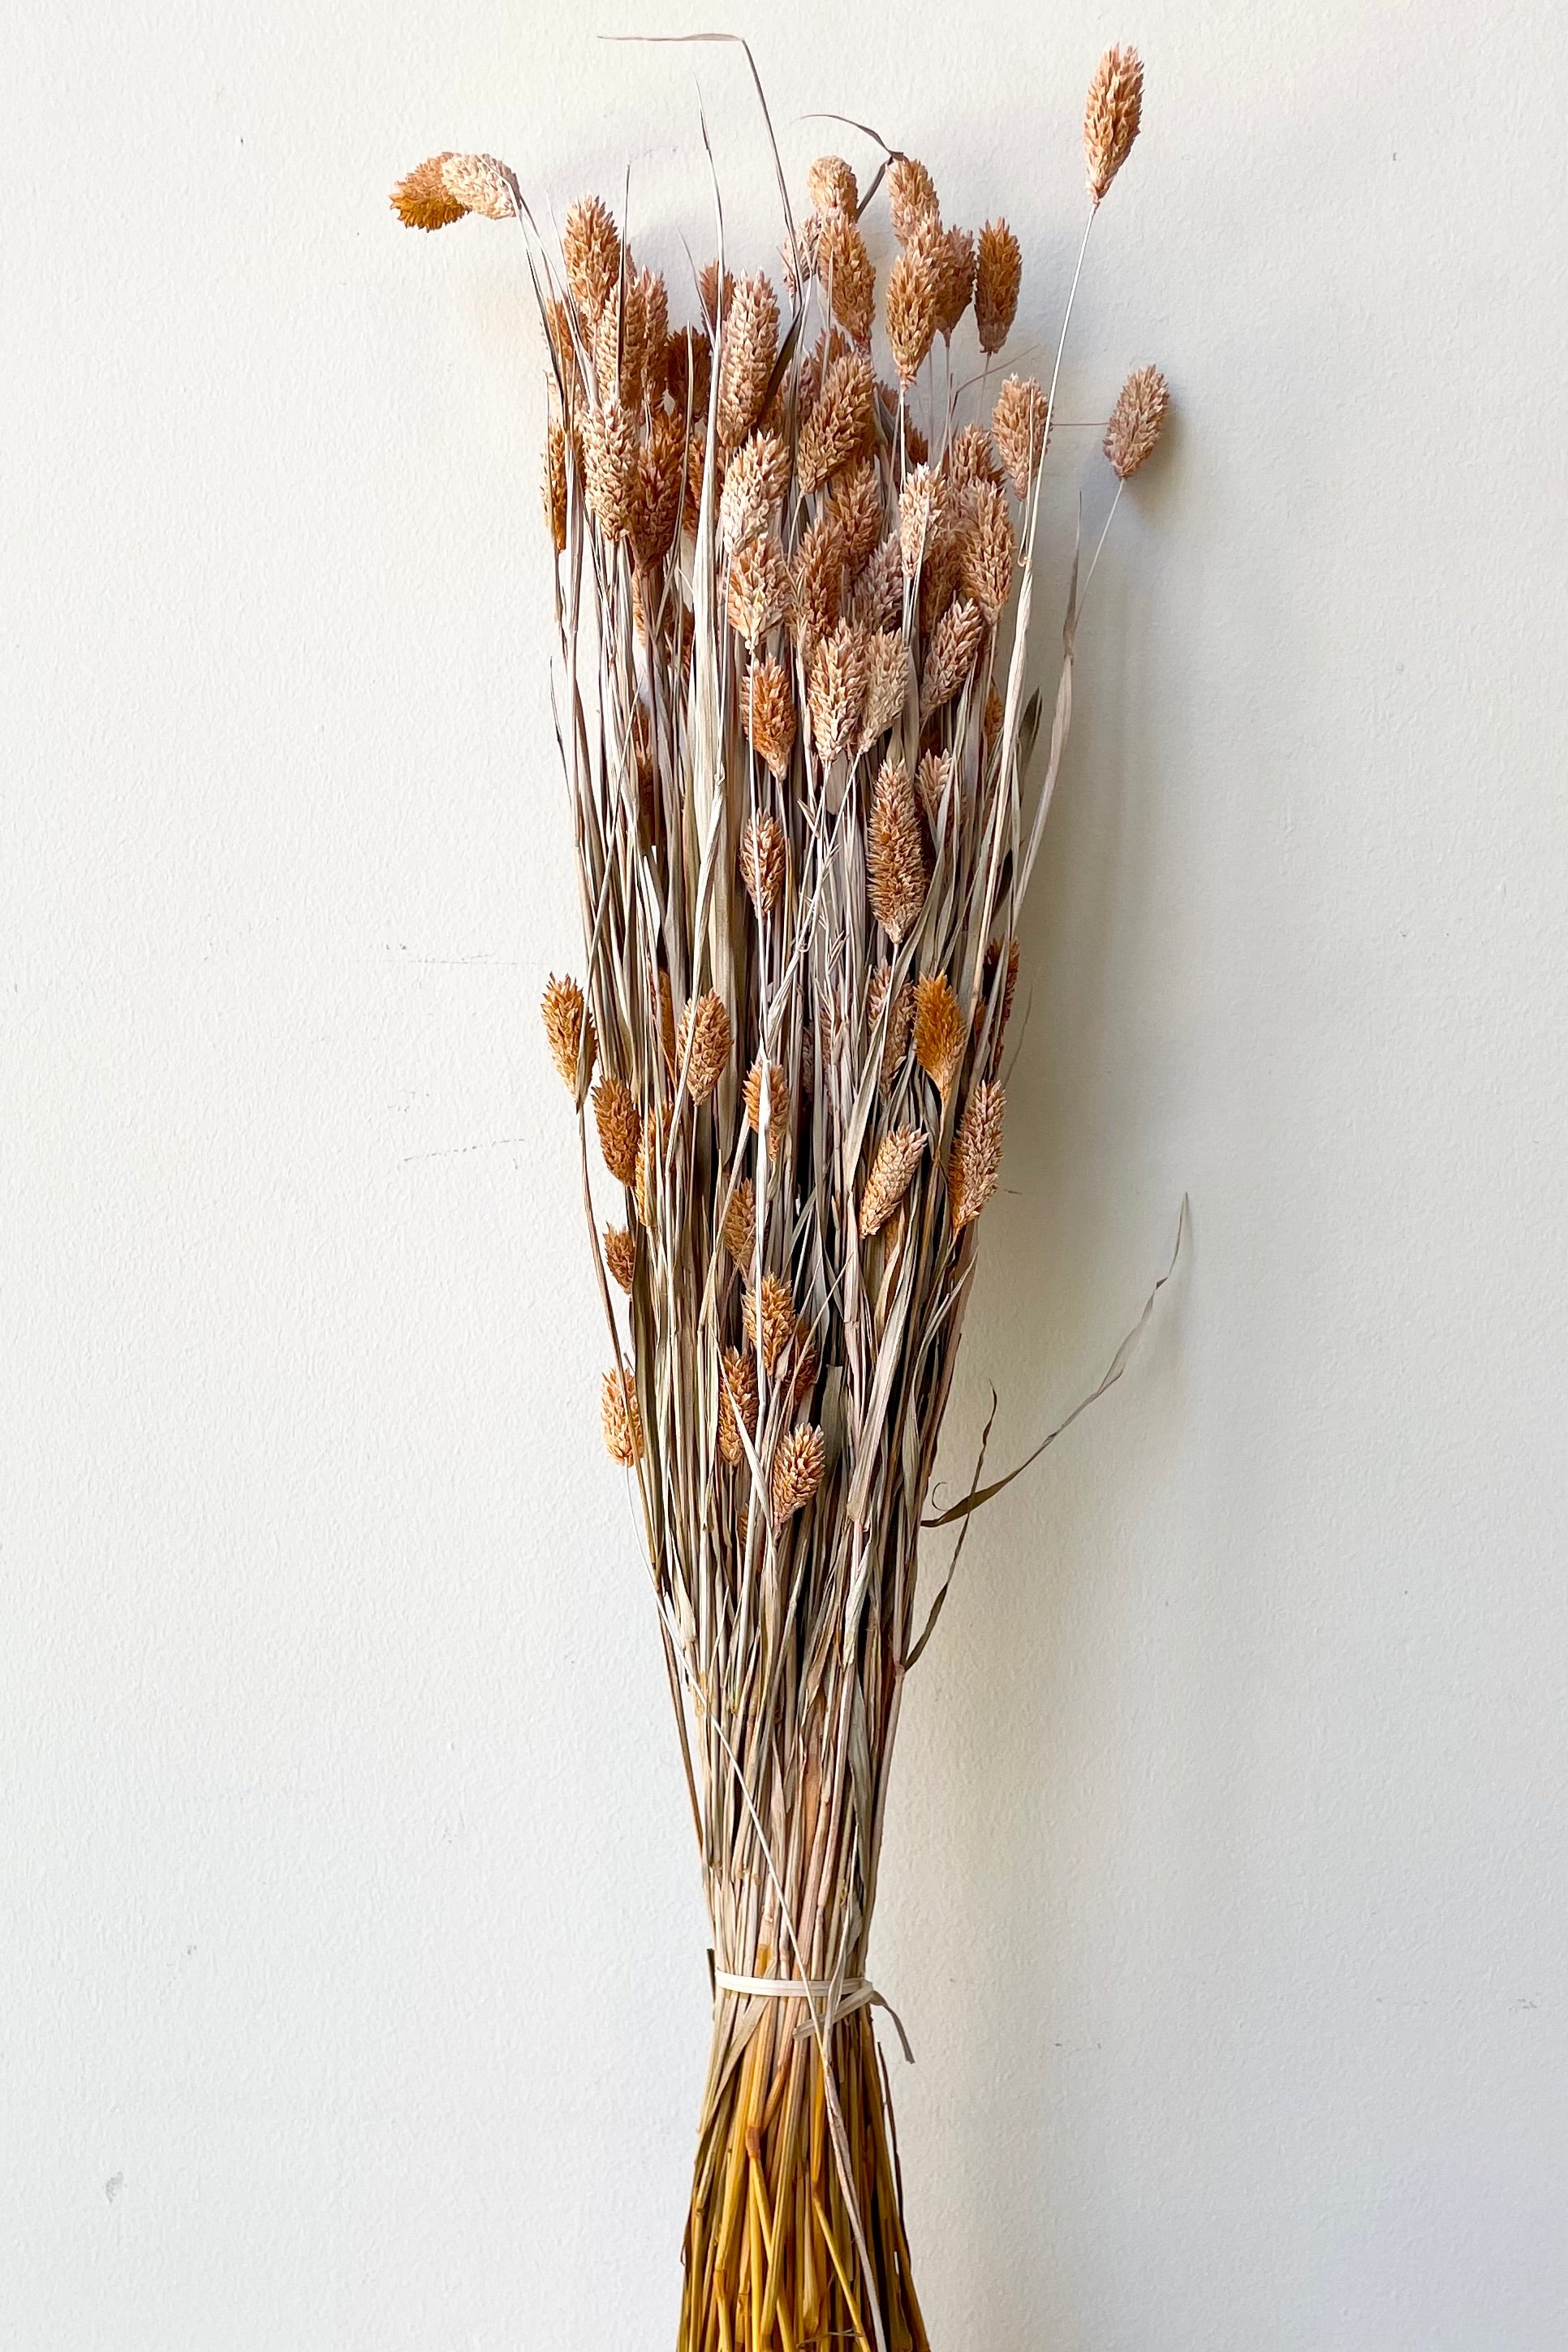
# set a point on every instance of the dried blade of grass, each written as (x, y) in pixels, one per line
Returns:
(736, 40)
(1119, 1363)
(912, 1659)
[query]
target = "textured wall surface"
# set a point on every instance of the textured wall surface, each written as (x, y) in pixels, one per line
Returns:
(351, 1993)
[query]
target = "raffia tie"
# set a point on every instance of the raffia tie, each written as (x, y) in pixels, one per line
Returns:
(839, 1998)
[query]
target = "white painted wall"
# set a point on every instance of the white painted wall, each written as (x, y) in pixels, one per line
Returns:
(352, 1996)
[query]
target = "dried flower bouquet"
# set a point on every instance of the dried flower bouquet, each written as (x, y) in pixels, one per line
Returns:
(793, 600)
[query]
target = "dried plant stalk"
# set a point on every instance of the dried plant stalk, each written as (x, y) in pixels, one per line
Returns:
(796, 751)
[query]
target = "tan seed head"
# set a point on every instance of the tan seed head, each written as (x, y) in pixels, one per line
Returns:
(619, 1123)
(950, 655)
(741, 1225)
(895, 856)
(976, 1160)
(622, 1419)
(1112, 117)
(887, 686)
(939, 1035)
(987, 551)
(837, 689)
(441, 191)
(591, 250)
(750, 341)
(777, 1103)
(844, 266)
(568, 1031)
(621, 1255)
(702, 1045)
(839, 427)
(833, 187)
(1136, 421)
(737, 1402)
(797, 1471)
(913, 304)
(1019, 422)
(998, 274)
(760, 593)
(892, 1171)
(767, 712)
(912, 196)
(762, 862)
(769, 1310)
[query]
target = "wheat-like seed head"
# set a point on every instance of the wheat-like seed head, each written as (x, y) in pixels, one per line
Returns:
(702, 1044)
(887, 686)
(797, 1471)
(756, 480)
(933, 789)
(767, 714)
(952, 261)
(555, 484)
(621, 1255)
(898, 1156)
(1018, 422)
(920, 514)
(711, 294)
(568, 1031)
(762, 862)
(998, 274)
(976, 1154)
(912, 196)
(622, 1419)
(1136, 421)
(611, 477)
(912, 309)
(845, 268)
(878, 598)
(895, 855)
(741, 1225)
(855, 502)
(749, 346)
(836, 688)
(647, 1172)
(619, 1123)
(737, 1402)
(900, 1016)
(987, 550)
(591, 251)
(833, 187)
(777, 1103)
(661, 462)
(761, 593)
(817, 581)
(770, 1310)
(423, 199)
(939, 1037)
(805, 1362)
(970, 461)
(441, 191)
(688, 371)
(1112, 117)
(798, 261)
(950, 654)
(839, 427)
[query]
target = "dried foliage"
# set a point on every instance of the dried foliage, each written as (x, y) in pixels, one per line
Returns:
(797, 749)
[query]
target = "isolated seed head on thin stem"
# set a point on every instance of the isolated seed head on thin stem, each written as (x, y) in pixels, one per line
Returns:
(1112, 117)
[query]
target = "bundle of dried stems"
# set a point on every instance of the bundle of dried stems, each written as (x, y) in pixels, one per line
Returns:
(792, 597)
